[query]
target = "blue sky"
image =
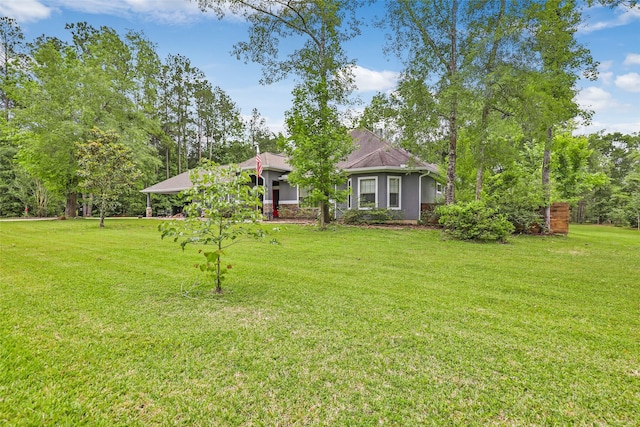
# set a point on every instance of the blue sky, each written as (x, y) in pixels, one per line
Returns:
(179, 27)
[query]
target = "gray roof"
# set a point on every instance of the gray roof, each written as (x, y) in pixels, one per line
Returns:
(172, 185)
(270, 161)
(371, 154)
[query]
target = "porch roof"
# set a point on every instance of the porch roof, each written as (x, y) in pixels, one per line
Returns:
(270, 161)
(173, 185)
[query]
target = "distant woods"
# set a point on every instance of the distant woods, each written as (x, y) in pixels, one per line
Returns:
(54, 92)
(487, 91)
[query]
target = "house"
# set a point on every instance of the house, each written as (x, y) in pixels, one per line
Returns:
(378, 176)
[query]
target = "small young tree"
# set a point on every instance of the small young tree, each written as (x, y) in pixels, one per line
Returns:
(222, 208)
(106, 168)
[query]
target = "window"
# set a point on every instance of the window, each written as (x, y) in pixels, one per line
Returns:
(439, 189)
(394, 185)
(367, 192)
(349, 189)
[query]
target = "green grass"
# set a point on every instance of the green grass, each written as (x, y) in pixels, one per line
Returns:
(351, 326)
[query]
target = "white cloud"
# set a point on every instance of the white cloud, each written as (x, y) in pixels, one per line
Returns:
(164, 11)
(629, 82)
(596, 99)
(369, 80)
(625, 15)
(25, 10)
(604, 75)
(608, 127)
(605, 65)
(632, 59)
(606, 78)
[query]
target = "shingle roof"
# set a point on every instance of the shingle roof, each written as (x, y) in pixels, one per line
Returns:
(373, 153)
(173, 185)
(270, 161)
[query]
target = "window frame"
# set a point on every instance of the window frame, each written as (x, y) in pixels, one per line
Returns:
(375, 193)
(389, 179)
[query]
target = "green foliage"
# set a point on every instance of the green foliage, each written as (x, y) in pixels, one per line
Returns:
(517, 195)
(222, 209)
(317, 139)
(368, 216)
(616, 156)
(474, 221)
(106, 169)
(430, 217)
(98, 79)
(317, 143)
(571, 177)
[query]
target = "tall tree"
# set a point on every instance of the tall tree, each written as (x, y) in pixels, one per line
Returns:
(106, 168)
(429, 35)
(88, 82)
(317, 140)
(227, 130)
(13, 63)
(53, 117)
(14, 68)
(258, 134)
(550, 80)
(181, 83)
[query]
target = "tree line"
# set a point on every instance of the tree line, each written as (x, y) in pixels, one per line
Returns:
(487, 91)
(55, 94)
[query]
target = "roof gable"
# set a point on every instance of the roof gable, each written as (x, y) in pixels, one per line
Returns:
(372, 152)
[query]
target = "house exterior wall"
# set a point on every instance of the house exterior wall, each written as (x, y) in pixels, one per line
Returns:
(410, 191)
(288, 193)
(414, 190)
(428, 189)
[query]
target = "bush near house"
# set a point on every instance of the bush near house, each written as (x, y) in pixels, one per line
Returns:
(474, 221)
(369, 216)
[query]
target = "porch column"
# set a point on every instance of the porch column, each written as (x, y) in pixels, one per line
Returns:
(149, 210)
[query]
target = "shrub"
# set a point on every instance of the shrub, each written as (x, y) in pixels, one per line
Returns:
(474, 221)
(369, 216)
(513, 194)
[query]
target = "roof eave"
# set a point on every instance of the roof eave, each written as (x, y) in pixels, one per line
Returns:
(392, 169)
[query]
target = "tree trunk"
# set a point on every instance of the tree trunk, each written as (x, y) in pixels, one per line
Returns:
(71, 205)
(87, 205)
(103, 209)
(199, 140)
(41, 199)
(218, 267)
(450, 190)
(326, 214)
(546, 179)
(479, 177)
(166, 159)
(449, 195)
(322, 217)
(179, 155)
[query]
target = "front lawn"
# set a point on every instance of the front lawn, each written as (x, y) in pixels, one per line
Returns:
(352, 326)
